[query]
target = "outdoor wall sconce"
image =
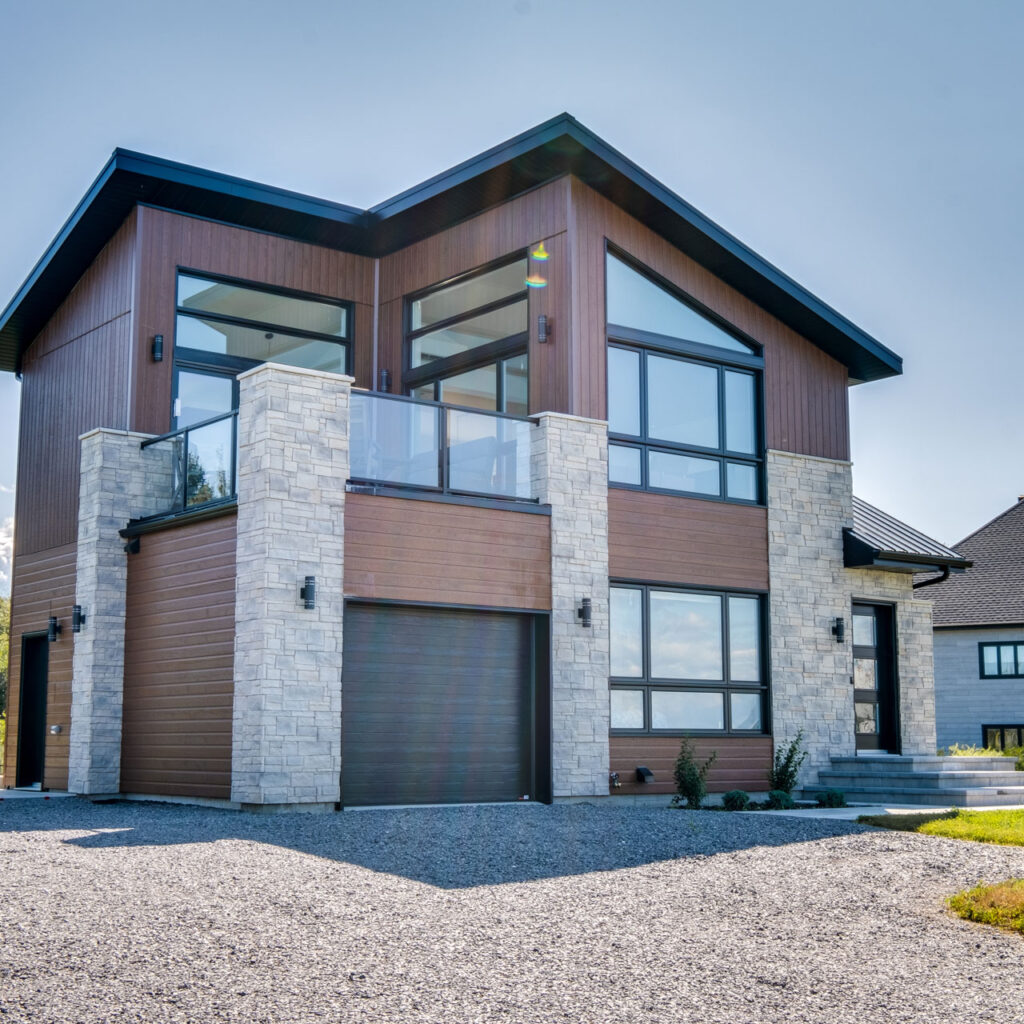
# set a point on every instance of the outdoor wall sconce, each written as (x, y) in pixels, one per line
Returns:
(158, 348)
(53, 629)
(586, 613)
(77, 618)
(543, 329)
(540, 253)
(839, 629)
(308, 593)
(644, 774)
(55, 730)
(613, 780)
(384, 381)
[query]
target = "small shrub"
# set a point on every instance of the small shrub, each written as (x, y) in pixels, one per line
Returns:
(691, 778)
(967, 750)
(1001, 905)
(832, 798)
(779, 800)
(784, 771)
(736, 800)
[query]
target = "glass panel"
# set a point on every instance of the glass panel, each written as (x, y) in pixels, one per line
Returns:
(623, 391)
(626, 634)
(394, 442)
(260, 345)
(1011, 736)
(425, 392)
(682, 402)
(202, 396)
(469, 334)
(675, 709)
(686, 636)
(517, 385)
(990, 656)
(1006, 666)
(467, 295)
(624, 464)
(636, 301)
(994, 739)
(234, 300)
(627, 709)
(863, 629)
(476, 388)
(739, 412)
(488, 454)
(745, 709)
(865, 674)
(683, 473)
(741, 481)
(1020, 659)
(867, 717)
(744, 639)
(209, 463)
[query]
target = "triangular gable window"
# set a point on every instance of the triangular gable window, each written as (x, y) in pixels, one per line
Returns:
(637, 302)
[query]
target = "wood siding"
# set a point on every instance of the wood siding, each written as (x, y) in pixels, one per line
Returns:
(44, 585)
(742, 763)
(805, 389)
(672, 539)
(404, 549)
(179, 662)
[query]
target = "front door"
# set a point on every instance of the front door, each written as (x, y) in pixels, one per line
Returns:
(32, 711)
(874, 679)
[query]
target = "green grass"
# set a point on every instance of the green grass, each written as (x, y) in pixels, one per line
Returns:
(1005, 828)
(1001, 905)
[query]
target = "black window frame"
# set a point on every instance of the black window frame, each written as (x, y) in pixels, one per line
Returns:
(725, 686)
(1018, 672)
(496, 352)
(985, 729)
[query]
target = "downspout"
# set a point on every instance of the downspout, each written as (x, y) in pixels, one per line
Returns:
(937, 579)
(376, 320)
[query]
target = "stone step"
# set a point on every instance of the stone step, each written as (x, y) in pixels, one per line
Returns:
(923, 763)
(923, 780)
(976, 796)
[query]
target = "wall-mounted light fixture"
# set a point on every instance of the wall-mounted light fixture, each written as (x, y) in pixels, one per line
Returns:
(307, 593)
(158, 348)
(543, 328)
(613, 780)
(839, 629)
(534, 279)
(384, 380)
(77, 618)
(55, 730)
(540, 253)
(644, 774)
(585, 612)
(53, 629)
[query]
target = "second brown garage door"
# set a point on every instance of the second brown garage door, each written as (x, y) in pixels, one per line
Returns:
(437, 706)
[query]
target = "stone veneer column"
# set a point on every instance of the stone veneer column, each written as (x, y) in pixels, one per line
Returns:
(570, 473)
(119, 481)
(810, 500)
(293, 460)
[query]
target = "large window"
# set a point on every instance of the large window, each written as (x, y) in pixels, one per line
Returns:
(466, 341)
(1001, 660)
(683, 396)
(686, 661)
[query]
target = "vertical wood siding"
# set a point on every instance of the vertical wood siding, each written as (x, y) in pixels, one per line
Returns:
(179, 662)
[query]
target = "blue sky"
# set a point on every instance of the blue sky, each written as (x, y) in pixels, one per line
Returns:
(872, 150)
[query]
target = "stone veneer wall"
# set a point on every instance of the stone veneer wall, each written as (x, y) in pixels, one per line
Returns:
(293, 463)
(119, 481)
(810, 500)
(570, 472)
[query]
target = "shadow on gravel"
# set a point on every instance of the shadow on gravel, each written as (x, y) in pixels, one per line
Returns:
(451, 848)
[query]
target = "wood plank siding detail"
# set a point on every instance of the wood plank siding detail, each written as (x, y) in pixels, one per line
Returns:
(402, 549)
(671, 539)
(742, 763)
(44, 585)
(179, 662)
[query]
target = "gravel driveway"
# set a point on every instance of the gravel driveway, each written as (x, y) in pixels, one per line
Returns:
(572, 913)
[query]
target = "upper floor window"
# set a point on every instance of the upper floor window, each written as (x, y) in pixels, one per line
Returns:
(466, 341)
(1001, 660)
(683, 395)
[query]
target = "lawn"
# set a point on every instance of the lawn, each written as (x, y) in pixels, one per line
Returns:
(1001, 905)
(1005, 828)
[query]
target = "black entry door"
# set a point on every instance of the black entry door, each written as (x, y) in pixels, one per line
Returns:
(874, 678)
(32, 711)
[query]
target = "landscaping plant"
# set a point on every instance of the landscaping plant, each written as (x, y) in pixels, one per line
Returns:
(1001, 905)
(691, 777)
(779, 800)
(784, 771)
(736, 800)
(832, 798)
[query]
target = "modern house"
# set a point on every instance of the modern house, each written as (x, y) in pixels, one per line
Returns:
(490, 492)
(979, 639)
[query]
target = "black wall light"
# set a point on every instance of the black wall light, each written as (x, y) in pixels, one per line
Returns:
(544, 326)
(839, 629)
(77, 618)
(53, 629)
(158, 348)
(384, 380)
(586, 612)
(307, 593)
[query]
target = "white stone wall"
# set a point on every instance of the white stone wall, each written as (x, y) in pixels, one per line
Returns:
(810, 500)
(570, 472)
(293, 463)
(119, 481)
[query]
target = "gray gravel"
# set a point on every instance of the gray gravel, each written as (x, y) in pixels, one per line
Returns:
(578, 913)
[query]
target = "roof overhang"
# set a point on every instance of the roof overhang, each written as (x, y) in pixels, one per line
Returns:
(859, 553)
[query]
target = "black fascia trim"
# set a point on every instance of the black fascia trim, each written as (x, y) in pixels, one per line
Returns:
(858, 554)
(393, 602)
(448, 498)
(979, 625)
(168, 520)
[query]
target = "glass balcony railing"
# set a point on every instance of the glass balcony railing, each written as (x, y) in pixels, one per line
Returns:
(407, 443)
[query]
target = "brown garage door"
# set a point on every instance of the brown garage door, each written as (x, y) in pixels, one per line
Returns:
(436, 706)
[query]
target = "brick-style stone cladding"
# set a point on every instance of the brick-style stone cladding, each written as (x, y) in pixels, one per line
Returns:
(119, 481)
(810, 500)
(569, 467)
(293, 463)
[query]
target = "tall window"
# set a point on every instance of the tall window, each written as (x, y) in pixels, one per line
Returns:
(466, 341)
(686, 661)
(683, 395)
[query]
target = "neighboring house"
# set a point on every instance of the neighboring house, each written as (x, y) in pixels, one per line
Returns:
(492, 491)
(979, 639)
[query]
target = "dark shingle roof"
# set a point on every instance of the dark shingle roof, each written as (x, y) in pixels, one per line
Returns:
(991, 593)
(879, 539)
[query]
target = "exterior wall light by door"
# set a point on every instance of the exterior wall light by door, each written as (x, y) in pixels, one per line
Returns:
(585, 612)
(543, 329)
(384, 380)
(158, 348)
(53, 629)
(839, 629)
(308, 593)
(77, 618)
